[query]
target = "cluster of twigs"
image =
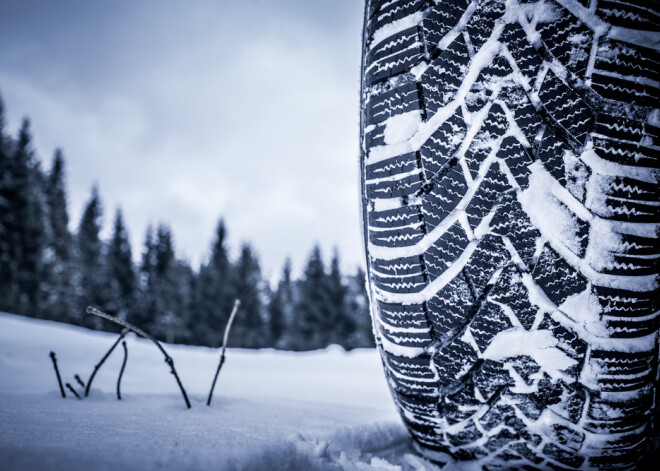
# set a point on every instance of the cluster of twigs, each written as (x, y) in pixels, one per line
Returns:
(127, 327)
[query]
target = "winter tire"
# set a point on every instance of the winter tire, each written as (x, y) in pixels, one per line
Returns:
(509, 162)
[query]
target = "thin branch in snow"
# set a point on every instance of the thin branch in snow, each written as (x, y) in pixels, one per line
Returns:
(142, 333)
(70, 388)
(237, 303)
(105, 357)
(121, 371)
(79, 381)
(57, 372)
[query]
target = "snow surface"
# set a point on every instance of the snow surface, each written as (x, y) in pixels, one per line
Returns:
(272, 410)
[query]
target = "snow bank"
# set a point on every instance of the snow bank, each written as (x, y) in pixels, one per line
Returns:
(321, 410)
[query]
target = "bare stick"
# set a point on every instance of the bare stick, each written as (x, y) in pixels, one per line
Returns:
(57, 372)
(121, 372)
(79, 381)
(237, 303)
(70, 388)
(142, 333)
(105, 357)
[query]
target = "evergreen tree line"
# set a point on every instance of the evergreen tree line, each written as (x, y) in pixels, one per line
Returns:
(50, 272)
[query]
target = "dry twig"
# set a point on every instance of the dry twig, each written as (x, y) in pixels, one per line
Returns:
(121, 372)
(237, 303)
(75, 393)
(105, 357)
(142, 333)
(57, 372)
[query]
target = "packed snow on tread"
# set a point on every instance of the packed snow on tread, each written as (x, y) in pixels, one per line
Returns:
(326, 409)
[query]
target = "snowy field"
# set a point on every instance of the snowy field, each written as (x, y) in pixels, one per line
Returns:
(271, 410)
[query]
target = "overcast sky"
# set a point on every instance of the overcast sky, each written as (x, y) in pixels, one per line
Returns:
(184, 112)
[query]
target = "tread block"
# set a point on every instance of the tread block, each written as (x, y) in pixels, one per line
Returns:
(526, 116)
(566, 108)
(620, 209)
(625, 59)
(418, 404)
(629, 314)
(444, 76)
(402, 316)
(527, 59)
(623, 90)
(440, 20)
(398, 165)
(394, 218)
(398, 266)
(626, 141)
(568, 342)
(491, 188)
(400, 284)
(627, 265)
(443, 198)
(511, 221)
(444, 252)
(469, 434)
(491, 378)
(393, 102)
(454, 361)
(460, 405)
(375, 137)
(525, 366)
(510, 291)
(556, 277)
(394, 44)
(383, 12)
(551, 153)
(517, 159)
(406, 186)
(399, 237)
(483, 19)
(396, 64)
(449, 308)
(568, 40)
(412, 376)
(438, 149)
(631, 189)
(562, 456)
(483, 89)
(623, 371)
(496, 415)
(489, 256)
(416, 338)
(603, 416)
(630, 14)
(624, 303)
(493, 127)
(563, 399)
(487, 323)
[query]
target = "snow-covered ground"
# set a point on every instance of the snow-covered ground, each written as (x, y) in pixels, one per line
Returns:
(271, 410)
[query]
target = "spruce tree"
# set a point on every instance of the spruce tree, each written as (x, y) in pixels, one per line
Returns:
(61, 303)
(145, 314)
(280, 310)
(27, 231)
(358, 310)
(313, 313)
(170, 302)
(7, 260)
(342, 324)
(90, 255)
(213, 297)
(249, 329)
(120, 272)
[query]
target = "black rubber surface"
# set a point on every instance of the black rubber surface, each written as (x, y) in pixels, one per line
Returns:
(509, 165)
